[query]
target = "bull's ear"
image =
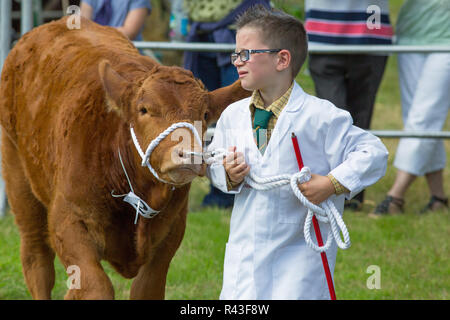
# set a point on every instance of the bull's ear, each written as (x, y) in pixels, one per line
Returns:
(115, 87)
(221, 98)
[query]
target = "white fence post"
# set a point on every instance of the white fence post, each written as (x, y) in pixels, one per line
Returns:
(5, 29)
(5, 44)
(26, 16)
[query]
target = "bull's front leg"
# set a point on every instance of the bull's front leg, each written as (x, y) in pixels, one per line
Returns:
(79, 252)
(150, 283)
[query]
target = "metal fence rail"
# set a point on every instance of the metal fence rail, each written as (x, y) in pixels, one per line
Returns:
(395, 134)
(319, 49)
(411, 134)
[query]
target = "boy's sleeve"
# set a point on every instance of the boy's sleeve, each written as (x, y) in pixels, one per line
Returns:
(358, 158)
(216, 171)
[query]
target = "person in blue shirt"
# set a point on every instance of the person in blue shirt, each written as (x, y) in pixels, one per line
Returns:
(127, 16)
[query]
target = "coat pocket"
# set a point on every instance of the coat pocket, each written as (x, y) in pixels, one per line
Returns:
(289, 207)
(230, 271)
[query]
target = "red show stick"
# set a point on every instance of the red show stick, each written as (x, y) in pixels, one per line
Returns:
(323, 255)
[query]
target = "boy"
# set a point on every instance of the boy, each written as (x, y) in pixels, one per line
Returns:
(266, 255)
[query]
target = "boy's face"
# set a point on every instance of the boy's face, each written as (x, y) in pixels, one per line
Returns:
(260, 70)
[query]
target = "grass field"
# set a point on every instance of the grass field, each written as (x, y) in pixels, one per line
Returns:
(411, 250)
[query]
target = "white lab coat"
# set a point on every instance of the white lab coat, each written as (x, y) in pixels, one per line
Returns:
(266, 256)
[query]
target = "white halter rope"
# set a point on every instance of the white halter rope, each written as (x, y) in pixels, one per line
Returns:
(327, 213)
(146, 156)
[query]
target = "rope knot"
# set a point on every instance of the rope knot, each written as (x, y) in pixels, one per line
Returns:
(302, 176)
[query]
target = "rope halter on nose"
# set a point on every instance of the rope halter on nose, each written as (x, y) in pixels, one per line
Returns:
(146, 156)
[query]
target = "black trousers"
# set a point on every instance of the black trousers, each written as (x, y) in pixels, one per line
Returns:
(349, 81)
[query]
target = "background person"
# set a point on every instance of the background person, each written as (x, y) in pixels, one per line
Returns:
(425, 93)
(127, 16)
(350, 81)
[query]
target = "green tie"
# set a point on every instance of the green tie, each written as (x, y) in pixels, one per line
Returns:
(261, 121)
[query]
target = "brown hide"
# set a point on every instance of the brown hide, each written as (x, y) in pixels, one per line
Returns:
(67, 100)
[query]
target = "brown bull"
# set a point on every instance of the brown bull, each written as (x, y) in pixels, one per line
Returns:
(67, 101)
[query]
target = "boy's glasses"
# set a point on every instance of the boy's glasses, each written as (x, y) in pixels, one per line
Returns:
(244, 55)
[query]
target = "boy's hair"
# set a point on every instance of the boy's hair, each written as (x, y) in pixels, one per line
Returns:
(279, 30)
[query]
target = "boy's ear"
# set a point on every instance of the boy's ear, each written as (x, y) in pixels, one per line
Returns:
(284, 59)
(221, 98)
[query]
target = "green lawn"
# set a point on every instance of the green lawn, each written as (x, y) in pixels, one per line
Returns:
(411, 250)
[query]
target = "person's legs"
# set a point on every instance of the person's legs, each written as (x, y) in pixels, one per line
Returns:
(393, 202)
(428, 112)
(435, 181)
(410, 68)
(438, 199)
(427, 78)
(328, 73)
(364, 75)
(228, 75)
(330, 76)
(215, 77)
(401, 184)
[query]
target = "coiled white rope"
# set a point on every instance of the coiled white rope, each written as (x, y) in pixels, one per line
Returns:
(146, 156)
(326, 214)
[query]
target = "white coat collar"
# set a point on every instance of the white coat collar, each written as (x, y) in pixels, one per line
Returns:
(294, 103)
(296, 99)
(284, 123)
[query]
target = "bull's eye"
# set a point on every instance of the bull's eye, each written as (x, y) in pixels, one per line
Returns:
(143, 110)
(205, 116)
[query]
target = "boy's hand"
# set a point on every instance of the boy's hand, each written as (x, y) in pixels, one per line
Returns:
(318, 189)
(235, 166)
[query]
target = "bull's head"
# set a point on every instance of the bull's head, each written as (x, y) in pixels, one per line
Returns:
(166, 96)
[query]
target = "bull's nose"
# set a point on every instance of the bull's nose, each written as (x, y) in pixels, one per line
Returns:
(183, 166)
(180, 153)
(183, 156)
